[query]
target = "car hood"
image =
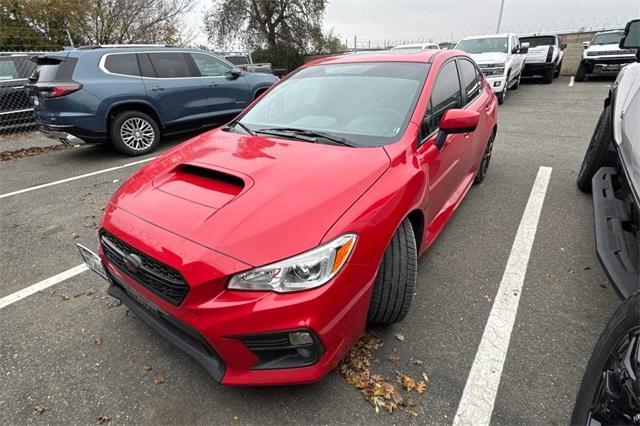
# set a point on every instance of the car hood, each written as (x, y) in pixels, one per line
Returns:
(613, 47)
(489, 57)
(253, 198)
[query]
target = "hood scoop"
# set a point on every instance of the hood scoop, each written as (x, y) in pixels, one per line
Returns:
(201, 184)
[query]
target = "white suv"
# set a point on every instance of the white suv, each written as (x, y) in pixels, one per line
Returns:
(604, 56)
(500, 57)
(417, 46)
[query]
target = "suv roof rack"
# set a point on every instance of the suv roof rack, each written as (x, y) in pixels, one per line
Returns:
(108, 46)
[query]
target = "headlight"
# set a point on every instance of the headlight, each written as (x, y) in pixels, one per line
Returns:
(302, 272)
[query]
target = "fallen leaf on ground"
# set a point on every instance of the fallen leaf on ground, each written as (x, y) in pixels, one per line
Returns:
(418, 362)
(99, 340)
(394, 358)
(65, 297)
(39, 409)
(412, 413)
(158, 380)
(104, 419)
(29, 152)
(148, 368)
(400, 337)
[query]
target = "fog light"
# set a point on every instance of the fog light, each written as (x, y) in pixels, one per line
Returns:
(300, 338)
(496, 83)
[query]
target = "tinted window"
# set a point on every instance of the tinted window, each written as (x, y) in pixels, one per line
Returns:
(446, 94)
(470, 79)
(126, 64)
(608, 38)
(237, 60)
(481, 45)
(146, 69)
(539, 41)
(45, 73)
(209, 66)
(171, 65)
(8, 70)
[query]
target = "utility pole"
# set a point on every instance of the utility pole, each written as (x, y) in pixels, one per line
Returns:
(500, 16)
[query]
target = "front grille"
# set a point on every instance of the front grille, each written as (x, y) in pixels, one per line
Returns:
(160, 279)
(611, 52)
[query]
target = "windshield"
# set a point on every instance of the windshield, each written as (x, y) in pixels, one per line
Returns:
(368, 104)
(608, 38)
(539, 41)
(482, 45)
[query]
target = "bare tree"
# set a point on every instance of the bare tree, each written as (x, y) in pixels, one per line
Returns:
(265, 23)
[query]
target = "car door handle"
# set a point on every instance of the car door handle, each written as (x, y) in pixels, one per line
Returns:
(157, 88)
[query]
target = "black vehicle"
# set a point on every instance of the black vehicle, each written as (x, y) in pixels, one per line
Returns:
(16, 107)
(610, 389)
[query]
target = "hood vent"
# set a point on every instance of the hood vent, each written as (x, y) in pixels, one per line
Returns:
(224, 181)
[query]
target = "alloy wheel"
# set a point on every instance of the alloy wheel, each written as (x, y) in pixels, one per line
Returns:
(617, 399)
(137, 133)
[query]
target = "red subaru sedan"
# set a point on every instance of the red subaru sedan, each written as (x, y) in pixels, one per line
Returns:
(263, 248)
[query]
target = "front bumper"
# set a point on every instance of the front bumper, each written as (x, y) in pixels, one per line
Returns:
(605, 65)
(335, 313)
(536, 68)
(497, 83)
(610, 214)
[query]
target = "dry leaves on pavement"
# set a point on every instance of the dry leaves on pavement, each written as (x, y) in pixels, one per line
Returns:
(39, 409)
(355, 368)
(29, 152)
(104, 419)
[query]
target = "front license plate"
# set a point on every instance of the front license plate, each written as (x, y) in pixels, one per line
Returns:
(92, 260)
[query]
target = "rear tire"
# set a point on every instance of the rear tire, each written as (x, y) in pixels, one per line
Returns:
(134, 133)
(581, 73)
(558, 68)
(484, 163)
(396, 279)
(589, 402)
(596, 154)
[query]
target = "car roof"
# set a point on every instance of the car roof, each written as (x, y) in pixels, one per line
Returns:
(417, 55)
(610, 31)
(130, 49)
(538, 35)
(416, 45)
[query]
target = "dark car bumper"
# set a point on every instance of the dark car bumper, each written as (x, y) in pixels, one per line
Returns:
(530, 69)
(63, 131)
(606, 66)
(610, 217)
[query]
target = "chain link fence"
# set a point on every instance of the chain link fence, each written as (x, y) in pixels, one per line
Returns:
(16, 105)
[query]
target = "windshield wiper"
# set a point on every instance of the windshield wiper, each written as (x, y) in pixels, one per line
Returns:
(306, 135)
(238, 123)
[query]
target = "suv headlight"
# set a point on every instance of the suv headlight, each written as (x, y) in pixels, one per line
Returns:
(302, 272)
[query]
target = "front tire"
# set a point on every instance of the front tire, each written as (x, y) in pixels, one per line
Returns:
(134, 133)
(502, 95)
(597, 151)
(548, 75)
(396, 279)
(581, 73)
(556, 74)
(610, 389)
(517, 83)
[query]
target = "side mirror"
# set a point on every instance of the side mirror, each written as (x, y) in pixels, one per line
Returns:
(631, 39)
(234, 73)
(455, 121)
(585, 44)
(563, 46)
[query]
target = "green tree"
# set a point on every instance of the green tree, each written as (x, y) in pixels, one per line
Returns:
(266, 24)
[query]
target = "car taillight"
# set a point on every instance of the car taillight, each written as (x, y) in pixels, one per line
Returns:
(55, 90)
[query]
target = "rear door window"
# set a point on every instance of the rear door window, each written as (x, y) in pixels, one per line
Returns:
(122, 63)
(8, 70)
(171, 65)
(470, 79)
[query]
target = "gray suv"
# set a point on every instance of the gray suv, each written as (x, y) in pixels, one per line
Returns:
(132, 95)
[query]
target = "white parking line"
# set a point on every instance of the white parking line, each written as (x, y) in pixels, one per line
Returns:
(478, 398)
(86, 175)
(571, 81)
(42, 285)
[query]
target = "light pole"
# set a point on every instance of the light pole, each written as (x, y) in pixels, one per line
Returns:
(500, 16)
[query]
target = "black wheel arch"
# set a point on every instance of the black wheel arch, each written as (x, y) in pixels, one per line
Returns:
(131, 106)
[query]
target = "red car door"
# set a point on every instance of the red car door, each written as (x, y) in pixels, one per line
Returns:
(476, 97)
(445, 168)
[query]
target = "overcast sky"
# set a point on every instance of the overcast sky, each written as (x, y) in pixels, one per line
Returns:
(450, 19)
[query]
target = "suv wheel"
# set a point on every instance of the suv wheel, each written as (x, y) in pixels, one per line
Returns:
(517, 83)
(396, 278)
(502, 95)
(558, 68)
(597, 152)
(548, 74)
(581, 73)
(134, 133)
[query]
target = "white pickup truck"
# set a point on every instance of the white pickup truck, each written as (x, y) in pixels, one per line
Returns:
(500, 57)
(603, 55)
(544, 57)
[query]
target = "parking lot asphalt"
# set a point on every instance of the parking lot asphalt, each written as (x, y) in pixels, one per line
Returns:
(71, 350)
